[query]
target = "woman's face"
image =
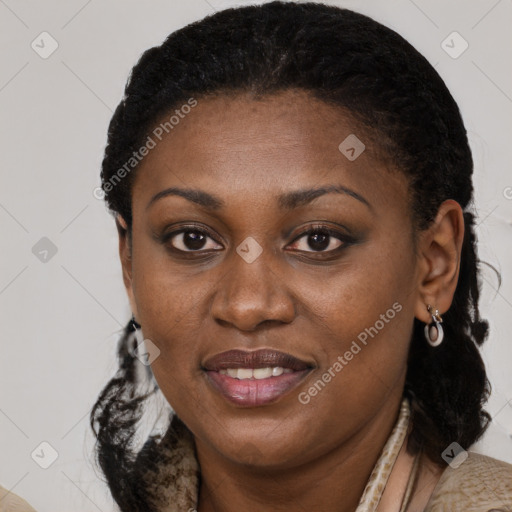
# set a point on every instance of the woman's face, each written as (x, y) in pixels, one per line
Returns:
(249, 272)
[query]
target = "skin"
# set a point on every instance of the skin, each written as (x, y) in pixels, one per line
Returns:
(293, 297)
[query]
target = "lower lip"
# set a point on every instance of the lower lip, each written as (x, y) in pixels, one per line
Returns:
(255, 392)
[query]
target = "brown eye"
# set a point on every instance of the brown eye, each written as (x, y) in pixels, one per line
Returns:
(320, 239)
(319, 242)
(191, 240)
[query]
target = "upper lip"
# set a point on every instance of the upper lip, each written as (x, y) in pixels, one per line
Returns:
(262, 358)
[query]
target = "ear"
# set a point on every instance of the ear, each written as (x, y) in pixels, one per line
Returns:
(439, 252)
(125, 255)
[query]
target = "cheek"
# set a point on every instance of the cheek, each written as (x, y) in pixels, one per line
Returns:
(168, 296)
(353, 295)
(367, 312)
(173, 308)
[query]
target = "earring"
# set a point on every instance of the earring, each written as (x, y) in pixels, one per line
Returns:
(434, 330)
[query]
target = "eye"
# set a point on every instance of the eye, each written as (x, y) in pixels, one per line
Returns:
(320, 239)
(191, 240)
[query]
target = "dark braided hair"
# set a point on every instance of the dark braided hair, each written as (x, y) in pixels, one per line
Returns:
(399, 101)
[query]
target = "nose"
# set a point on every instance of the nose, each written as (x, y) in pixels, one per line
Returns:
(250, 294)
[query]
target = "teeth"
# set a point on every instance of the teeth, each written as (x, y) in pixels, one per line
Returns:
(256, 373)
(278, 370)
(244, 373)
(262, 373)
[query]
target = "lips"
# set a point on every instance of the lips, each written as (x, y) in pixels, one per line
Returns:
(250, 379)
(256, 359)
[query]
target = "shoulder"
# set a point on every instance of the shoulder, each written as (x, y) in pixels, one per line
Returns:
(479, 484)
(10, 502)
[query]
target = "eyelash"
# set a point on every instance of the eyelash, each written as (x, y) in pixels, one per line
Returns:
(345, 240)
(317, 228)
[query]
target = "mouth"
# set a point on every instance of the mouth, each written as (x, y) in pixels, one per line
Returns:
(251, 379)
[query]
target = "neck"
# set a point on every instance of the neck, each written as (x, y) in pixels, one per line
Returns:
(331, 482)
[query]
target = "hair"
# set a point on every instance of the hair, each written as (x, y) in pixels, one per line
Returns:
(398, 99)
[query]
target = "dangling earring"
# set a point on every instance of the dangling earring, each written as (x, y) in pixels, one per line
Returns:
(434, 330)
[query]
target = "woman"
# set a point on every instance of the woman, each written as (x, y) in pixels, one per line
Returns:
(292, 189)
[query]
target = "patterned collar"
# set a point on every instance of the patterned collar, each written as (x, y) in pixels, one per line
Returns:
(178, 475)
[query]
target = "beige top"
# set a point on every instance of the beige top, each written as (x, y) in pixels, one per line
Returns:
(10, 502)
(479, 484)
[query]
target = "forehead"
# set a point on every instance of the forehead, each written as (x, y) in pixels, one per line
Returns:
(236, 144)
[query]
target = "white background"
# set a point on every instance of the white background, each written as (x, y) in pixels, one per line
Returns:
(60, 320)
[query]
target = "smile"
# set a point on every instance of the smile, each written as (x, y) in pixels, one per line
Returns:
(255, 373)
(251, 379)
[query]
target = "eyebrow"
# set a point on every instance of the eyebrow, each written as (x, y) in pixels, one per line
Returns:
(287, 201)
